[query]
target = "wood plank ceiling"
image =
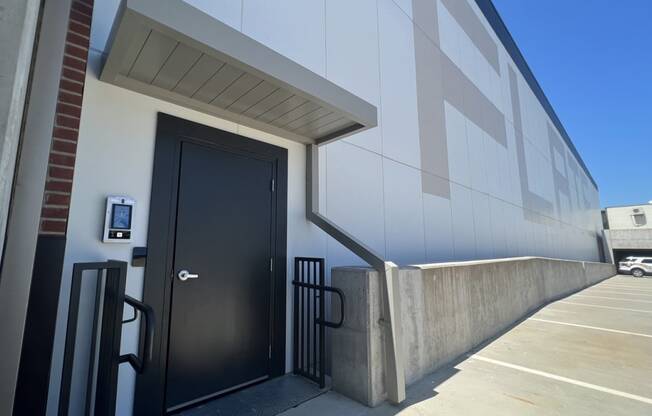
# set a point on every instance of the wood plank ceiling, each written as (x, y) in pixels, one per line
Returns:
(166, 66)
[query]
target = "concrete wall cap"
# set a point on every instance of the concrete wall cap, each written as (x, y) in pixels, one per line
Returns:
(489, 261)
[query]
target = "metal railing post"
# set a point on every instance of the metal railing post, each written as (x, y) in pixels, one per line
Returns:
(110, 298)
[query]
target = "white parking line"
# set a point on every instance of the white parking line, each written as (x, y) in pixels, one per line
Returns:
(617, 331)
(603, 307)
(622, 299)
(611, 291)
(621, 288)
(564, 379)
(646, 288)
(633, 283)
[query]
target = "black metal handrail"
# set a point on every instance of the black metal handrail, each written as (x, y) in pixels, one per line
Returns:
(310, 318)
(139, 365)
(102, 378)
(330, 289)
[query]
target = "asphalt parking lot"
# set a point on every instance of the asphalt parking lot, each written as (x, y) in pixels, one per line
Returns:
(587, 354)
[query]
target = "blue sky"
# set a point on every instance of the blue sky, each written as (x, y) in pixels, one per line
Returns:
(593, 59)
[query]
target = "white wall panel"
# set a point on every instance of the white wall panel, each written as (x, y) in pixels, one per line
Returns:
(403, 213)
(477, 157)
(463, 223)
(338, 255)
(482, 223)
(449, 34)
(458, 149)
(352, 47)
(534, 118)
(399, 116)
(461, 49)
(514, 196)
(352, 56)
(506, 181)
(541, 126)
(406, 6)
(492, 153)
(539, 172)
(495, 92)
(294, 28)
(370, 139)
(482, 19)
(468, 58)
(355, 193)
(438, 228)
(559, 162)
(482, 80)
(227, 11)
(505, 91)
(513, 234)
(498, 211)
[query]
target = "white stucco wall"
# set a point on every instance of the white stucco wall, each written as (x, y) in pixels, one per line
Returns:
(620, 218)
(372, 181)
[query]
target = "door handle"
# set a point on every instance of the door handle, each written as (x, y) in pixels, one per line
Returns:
(185, 275)
(141, 364)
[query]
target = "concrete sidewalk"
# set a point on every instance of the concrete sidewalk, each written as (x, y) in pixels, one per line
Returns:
(587, 354)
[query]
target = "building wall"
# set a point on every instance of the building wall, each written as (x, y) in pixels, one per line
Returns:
(465, 163)
(620, 218)
(19, 20)
(623, 236)
(18, 23)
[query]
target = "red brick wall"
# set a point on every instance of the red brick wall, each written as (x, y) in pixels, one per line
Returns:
(61, 165)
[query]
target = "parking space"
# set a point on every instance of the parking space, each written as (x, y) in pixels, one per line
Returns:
(587, 354)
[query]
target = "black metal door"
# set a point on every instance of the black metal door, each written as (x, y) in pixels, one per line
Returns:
(220, 317)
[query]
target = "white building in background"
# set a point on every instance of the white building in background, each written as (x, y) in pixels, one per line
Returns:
(434, 143)
(630, 217)
(628, 230)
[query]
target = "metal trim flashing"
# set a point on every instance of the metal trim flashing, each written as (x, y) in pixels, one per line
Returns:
(158, 46)
(394, 374)
(498, 25)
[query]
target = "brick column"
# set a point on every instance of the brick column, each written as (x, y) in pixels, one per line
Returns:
(61, 166)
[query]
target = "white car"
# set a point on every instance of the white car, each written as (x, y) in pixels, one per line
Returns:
(636, 266)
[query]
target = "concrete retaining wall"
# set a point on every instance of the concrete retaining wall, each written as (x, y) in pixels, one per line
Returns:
(446, 310)
(635, 239)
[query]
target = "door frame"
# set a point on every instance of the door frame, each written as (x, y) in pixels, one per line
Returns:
(170, 133)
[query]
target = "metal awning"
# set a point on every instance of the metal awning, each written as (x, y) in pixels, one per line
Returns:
(172, 51)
